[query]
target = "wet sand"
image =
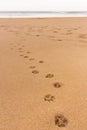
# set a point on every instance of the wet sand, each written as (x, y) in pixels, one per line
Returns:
(43, 74)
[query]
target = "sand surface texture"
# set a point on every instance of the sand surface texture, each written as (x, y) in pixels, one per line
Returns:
(43, 74)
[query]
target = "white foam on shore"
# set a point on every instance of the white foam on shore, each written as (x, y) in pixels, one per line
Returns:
(41, 14)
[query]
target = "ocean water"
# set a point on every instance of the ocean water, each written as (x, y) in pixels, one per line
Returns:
(41, 14)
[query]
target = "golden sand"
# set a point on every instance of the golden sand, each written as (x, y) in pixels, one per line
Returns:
(43, 74)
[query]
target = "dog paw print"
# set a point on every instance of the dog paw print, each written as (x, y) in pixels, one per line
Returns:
(57, 85)
(28, 52)
(31, 59)
(49, 76)
(35, 71)
(49, 98)
(25, 56)
(41, 61)
(61, 120)
(32, 67)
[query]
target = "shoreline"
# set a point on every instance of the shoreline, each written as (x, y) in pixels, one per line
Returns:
(25, 14)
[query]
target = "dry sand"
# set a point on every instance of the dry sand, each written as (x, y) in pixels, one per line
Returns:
(43, 74)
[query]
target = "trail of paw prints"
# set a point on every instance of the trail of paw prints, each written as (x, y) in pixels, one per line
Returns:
(60, 119)
(49, 97)
(21, 53)
(25, 54)
(33, 67)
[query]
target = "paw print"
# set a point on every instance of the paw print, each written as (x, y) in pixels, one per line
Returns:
(49, 97)
(49, 76)
(61, 120)
(35, 71)
(57, 85)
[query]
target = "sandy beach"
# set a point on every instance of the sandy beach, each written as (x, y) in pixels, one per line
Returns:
(43, 74)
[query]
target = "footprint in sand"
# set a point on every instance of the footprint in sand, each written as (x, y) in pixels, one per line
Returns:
(57, 85)
(21, 55)
(35, 71)
(68, 33)
(75, 28)
(19, 48)
(59, 40)
(37, 35)
(41, 61)
(49, 98)
(14, 45)
(55, 31)
(28, 52)
(49, 76)
(83, 36)
(20, 51)
(25, 56)
(22, 45)
(32, 67)
(31, 59)
(11, 48)
(61, 120)
(83, 41)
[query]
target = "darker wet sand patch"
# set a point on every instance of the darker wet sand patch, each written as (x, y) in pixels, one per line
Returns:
(35, 71)
(49, 76)
(49, 98)
(61, 120)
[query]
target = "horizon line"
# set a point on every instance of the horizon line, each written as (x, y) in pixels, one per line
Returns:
(25, 11)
